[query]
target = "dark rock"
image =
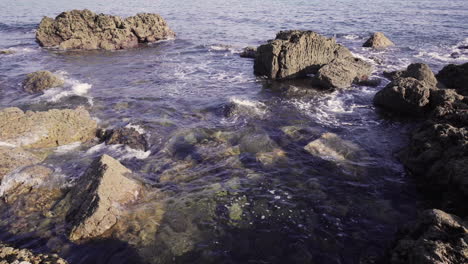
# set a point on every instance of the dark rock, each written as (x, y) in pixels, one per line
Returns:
(374, 82)
(421, 72)
(392, 75)
(437, 237)
(296, 54)
(248, 52)
(463, 47)
(378, 40)
(40, 81)
(455, 77)
(10, 254)
(83, 29)
(127, 136)
(341, 73)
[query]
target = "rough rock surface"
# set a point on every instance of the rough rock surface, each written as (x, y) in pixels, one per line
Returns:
(11, 255)
(296, 54)
(378, 40)
(455, 77)
(83, 29)
(341, 73)
(45, 129)
(12, 158)
(40, 81)
(436, 238)
(99, 198)
(127, 136)
(249, 52)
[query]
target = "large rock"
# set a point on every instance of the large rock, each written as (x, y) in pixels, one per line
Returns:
(296, 54)
(40, 81)
(45, 129)
(13, 158)
(249, 52)
(436, 238)
(421, 72)
(455, 77)
(341, 73)
(378, 40)
(99, 198)
(11, 255)
(83, 29)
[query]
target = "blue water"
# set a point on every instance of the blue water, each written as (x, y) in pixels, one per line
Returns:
(324, 213)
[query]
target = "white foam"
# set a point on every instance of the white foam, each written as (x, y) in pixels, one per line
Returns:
(351, 37)
(6, 144)
(138, 128)
(67, 148)
(255, 108)
(71, 87)
(119, 151)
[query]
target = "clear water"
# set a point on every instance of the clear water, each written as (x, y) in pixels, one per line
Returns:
(302, 209)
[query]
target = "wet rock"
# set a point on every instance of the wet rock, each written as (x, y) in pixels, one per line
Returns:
(455, 77)
(257, 142)
(378, 40)
(45, 129)
(40, 81)
(341, 73)
(83, 29)
(6, 52)
(183, 143)
(331, 147)
(421, 72)
(99, 198)
(437, 237)
(11, 255)
(12, 158)
(392, 75)
(249, 52)
(296, 53)
(374, 82)
(404, 96)
(128, 136)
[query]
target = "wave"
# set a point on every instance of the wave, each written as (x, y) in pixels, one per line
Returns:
(70, 88)
(118, 151)
(24, 28)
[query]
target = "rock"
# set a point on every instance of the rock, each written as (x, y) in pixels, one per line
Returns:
(331, 147)
(83, 29)
(99, 198)
(421, 72)
(404, 96)
(6, 52)
(11, 255)
(437, 237)
(296, 54)
(378, 40)
(127, 136)
(455, 77)
(13, 158)
(249, 52)
(254, 142)
(40, 81)
(393, 75)
(463, 47)
(45, 129)
(341, 73)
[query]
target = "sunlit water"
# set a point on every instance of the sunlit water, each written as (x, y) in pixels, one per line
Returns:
(201, 106)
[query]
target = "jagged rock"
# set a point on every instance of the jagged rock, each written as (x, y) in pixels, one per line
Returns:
(378, 40)
(331, 147)
(45, 129)
(437, 237)
(13, 158)
(11, 255)
(455, 77)
(127, 136)
(296, 53)
(40, 81)
(99, 198)
(83, 29)
(249, 52)
(404, 96)
(341, 73)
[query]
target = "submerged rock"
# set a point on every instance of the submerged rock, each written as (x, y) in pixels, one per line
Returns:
(437, 237)
(331, 147)
(9, 255)
(296, 53)
(128, 136)
(455, 77)
(378, 40)
(40, 81)
(249, 52)
(341, 73)
(83, 29)
(99, 198)
(45, 129)
(13, 158)
(6, 52)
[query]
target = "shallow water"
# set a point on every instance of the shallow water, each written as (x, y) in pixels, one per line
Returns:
(234, 186)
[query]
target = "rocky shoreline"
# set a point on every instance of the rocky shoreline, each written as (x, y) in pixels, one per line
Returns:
(107, 196)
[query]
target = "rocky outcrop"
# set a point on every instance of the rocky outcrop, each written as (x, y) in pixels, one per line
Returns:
(45, 129)
(437, 237)
(128, 136)
(12, 158)
(379, 41)
(341, 73)
(296, 53)
(40, 81)
(455, 77)
(11, 255)
(99, 198)
(83, 29)
(249, 52)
